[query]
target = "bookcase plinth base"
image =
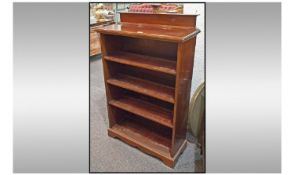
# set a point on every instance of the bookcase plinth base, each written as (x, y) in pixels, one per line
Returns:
(160, 153)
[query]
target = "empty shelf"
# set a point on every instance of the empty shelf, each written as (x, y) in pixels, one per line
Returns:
(139, 135)
(147, 110)
(145, 87)
(143, 61)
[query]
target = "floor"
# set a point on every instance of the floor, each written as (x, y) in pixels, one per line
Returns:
(112, 155)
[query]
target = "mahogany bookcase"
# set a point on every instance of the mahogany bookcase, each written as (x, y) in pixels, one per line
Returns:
(148, 64)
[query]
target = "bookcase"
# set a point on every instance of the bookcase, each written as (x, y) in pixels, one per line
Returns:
(148, 64)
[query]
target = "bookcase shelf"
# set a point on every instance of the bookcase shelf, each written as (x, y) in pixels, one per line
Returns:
(145, 87)
(145, 109)
(148, 64)
(142, 136)
(144, 61)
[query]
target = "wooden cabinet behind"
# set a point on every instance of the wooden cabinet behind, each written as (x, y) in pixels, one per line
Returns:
(148, 64)
(95, 47)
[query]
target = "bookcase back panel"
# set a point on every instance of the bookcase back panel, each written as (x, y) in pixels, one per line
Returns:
(144, 123)
(154, 48)
(157, 77)
(151, 100)
(118, 93)
(160, 19)
(161, 49)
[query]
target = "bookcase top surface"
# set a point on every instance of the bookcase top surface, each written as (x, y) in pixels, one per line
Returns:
(150, 31)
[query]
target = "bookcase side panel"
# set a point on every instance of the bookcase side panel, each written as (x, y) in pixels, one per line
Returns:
(106, 74)
(185, 62)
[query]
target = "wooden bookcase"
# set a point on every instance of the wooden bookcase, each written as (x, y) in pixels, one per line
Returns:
(148, 64)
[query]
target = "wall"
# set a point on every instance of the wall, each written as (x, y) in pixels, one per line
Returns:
(198, 71)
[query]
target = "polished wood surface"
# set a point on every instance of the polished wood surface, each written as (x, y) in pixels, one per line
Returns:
(160, 19)
(150, 31)
(182, 93)
(148, 65)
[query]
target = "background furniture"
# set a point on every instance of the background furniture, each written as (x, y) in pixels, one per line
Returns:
(196, 124)
(196, 111)
(148, 64)
(95, 47)
(100, 14)
(149, 8)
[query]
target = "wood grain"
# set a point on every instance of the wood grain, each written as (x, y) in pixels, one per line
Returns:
(148, 64)
(95, 47)
(143, 61)
(150, 31)
(149, 88)
(160, 19)
(145, 109)
(182, 93)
